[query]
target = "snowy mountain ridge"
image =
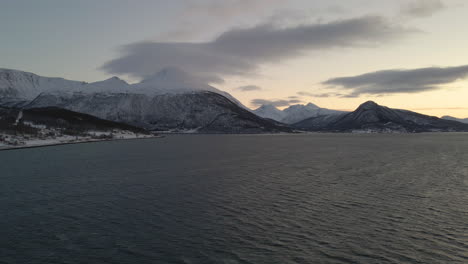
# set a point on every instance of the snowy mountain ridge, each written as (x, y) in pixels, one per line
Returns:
(21, 85)
(25, 85)
(170, 100)
(293, 113)
(270, 111)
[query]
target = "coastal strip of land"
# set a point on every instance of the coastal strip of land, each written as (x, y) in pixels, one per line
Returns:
(58, 142)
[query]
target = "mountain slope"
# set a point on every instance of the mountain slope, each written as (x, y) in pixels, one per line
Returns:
(61, 119)
(462, 120)
(51, 126)
(270, 112)
(171, 100)
(197, 111)
(371, 117)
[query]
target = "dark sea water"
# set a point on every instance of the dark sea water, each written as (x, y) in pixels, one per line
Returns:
(238, 199)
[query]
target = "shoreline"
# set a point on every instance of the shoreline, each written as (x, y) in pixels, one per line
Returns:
(6, 148)
(162, 135)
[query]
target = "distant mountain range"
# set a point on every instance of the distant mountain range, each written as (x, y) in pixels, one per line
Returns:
(174, 101)
(171, 100)
(294, 113)
(371, 117)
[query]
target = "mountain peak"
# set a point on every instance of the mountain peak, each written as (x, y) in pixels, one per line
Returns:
(174, 80)
(269, 111)
(311, 105)
(113, 84)
(369, 105)
(113, 79)
(371, 117)
(299, 107)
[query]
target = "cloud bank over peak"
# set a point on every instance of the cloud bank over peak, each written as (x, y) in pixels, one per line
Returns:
(399, 81)
(241, 51)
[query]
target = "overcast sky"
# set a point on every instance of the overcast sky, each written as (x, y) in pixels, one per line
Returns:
(408, 54)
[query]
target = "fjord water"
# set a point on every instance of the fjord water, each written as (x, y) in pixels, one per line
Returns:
(320, 198)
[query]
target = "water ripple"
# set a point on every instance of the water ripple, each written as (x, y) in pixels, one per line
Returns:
(239, 199)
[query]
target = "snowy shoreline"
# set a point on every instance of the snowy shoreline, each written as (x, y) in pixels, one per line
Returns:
(49, 143)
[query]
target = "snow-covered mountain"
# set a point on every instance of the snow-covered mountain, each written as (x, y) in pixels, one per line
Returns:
(201, 111)
(463, 120)
(270, 111)
(371, 117)
(175, 81)
(293, 113)
(296, 113)
(114, 84)
(168, 100)
(27, 86)
(17, 87)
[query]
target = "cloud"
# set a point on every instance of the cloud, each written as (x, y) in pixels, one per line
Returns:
(399, 81)
(276, 103)
(326, 95)
(198, 17)
(306, 94)
(240, 52)
(295, 101)
(422, 8)
(249, 88)
(439, 108)
(322, 95)
(226, 8)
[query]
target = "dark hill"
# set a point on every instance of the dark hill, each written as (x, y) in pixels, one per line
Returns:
(371, 117)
